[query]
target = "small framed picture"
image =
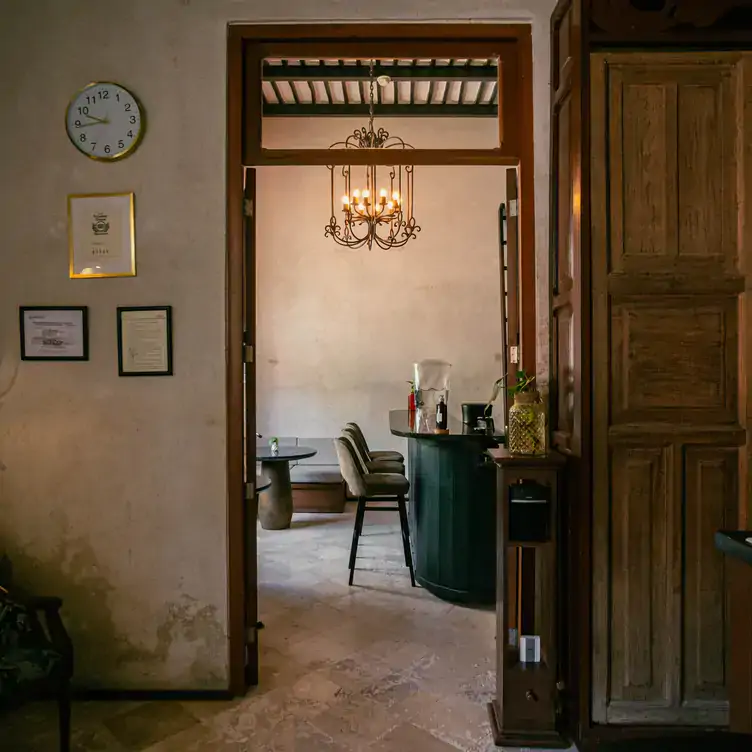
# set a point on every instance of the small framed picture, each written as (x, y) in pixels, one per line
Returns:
(54, 332)
(101, 235)
(144, 336)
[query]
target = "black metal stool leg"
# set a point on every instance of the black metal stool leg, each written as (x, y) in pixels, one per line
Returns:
(64, 710)
(406, 536)
(357, 529)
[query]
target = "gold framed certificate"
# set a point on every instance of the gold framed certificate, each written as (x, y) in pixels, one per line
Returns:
(144, 340)
(101, 235)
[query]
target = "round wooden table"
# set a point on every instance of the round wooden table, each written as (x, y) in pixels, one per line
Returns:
(275, 504)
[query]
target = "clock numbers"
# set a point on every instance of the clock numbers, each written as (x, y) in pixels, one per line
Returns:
(104, 121)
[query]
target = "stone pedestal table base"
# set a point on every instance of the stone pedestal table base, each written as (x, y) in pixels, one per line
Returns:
(275, 504)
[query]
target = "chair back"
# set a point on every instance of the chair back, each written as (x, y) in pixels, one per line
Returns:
(360, 438)
(362, 459)
(363, 456)
(349, 466)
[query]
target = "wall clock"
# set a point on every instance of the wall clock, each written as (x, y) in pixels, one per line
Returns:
(104, 121)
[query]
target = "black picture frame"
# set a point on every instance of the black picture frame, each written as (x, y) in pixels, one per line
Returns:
(168, 371)
(22, 317)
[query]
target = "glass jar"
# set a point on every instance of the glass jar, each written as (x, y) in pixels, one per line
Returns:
(527, 425)
(431, 384)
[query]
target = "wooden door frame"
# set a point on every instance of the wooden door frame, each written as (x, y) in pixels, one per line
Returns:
(247, 45)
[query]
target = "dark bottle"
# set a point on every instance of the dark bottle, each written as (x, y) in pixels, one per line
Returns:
(442, 418)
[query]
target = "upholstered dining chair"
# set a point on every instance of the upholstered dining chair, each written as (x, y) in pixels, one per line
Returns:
(373, 487)
(368, 465)
(382, 455)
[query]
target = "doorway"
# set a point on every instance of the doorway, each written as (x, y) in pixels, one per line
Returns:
(250, 48)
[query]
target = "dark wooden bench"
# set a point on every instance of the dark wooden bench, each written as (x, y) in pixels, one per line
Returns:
(317, 484)
(36, 653)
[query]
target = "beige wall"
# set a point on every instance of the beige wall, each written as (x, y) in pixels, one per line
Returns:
(337, 330)
(112, 490)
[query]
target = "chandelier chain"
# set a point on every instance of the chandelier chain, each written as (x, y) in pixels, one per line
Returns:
(370, 105)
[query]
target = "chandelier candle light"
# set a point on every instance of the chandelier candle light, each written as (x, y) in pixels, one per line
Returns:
(380, 214)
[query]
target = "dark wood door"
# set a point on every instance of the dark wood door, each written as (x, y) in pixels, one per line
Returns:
(570, 326)
(249, 430)
(668, 278)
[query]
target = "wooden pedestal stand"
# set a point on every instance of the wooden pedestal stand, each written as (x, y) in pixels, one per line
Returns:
(526, 710)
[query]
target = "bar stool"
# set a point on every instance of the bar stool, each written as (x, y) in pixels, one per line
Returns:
(378, 455)
(375, 487)
(368, 465)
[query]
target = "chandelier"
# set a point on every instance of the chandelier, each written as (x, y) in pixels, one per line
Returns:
(381, 210)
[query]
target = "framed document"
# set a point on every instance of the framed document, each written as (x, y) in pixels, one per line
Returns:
(54, 332)
(101, 235)
(145, 341)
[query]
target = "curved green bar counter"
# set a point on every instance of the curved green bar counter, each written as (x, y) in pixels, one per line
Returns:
(452, 508)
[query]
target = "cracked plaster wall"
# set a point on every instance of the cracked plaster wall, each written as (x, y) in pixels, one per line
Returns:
(113, 491)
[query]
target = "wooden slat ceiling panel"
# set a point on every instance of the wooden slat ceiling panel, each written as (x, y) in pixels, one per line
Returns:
(417, 87)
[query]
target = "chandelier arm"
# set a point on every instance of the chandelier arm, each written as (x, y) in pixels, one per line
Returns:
(348, 231)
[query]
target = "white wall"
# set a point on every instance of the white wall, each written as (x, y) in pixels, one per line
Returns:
(112, 490)
(338, 330)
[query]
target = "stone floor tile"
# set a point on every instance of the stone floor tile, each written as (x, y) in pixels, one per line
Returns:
(34, 728)
(295, 735)
(355, 723)
(354, 674)
(321, 650)
(204, 710)
(407, 737)
(454, 720)
(148, 723)
(203, 738)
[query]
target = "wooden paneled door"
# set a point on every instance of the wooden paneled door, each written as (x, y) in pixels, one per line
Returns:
(670, 169)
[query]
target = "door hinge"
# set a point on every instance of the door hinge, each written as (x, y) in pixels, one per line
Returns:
(248, 207)
(514, 354)
(250, 491)
(513, 207)
(248, 353)
(251, 635)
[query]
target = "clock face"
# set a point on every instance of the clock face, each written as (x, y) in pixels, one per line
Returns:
(104, 121)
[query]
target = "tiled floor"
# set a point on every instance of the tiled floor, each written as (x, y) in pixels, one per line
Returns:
(379, 666)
